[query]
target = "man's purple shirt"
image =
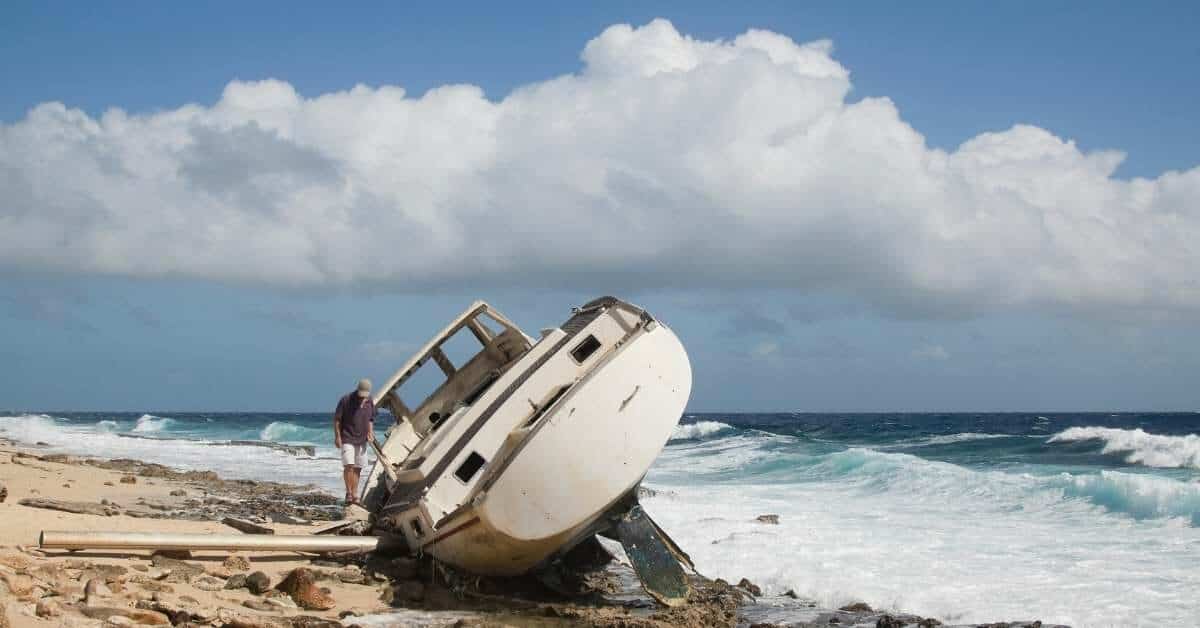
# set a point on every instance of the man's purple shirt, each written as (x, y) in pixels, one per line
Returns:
(355, 417)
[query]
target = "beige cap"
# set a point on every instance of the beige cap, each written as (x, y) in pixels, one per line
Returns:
(364, 387)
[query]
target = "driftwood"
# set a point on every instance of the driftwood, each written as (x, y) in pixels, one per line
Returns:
(80, 508)
(246, 526)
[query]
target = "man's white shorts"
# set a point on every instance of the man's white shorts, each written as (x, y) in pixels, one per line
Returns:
(354, 455)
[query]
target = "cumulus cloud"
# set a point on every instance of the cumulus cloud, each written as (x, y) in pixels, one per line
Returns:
(666, 161)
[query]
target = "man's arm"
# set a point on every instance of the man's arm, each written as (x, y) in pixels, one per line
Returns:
(337, 425)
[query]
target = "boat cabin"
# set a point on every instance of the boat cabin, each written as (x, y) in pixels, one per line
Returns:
(447, 375)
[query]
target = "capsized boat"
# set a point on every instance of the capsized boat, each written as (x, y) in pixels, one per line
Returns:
(508, 451)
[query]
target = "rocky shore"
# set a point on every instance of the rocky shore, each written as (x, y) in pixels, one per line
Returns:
(40, 490)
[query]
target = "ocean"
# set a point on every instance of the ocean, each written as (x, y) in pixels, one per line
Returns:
(1082, 519)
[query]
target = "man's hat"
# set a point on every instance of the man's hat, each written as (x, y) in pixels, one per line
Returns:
(364, 387)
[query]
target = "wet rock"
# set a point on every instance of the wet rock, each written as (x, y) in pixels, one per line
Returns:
(858, 607)
(301, 586)
(749, 587)
(178, 493)
(236, 562)
(887, 621)
(930, 622)
(792, 594)
(258, 583)
(128, 479)
(768, 519)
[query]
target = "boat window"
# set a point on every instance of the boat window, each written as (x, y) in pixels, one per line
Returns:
(469, 467)
(585, 349)
(420, 385)
(415, 524)
(461, 347)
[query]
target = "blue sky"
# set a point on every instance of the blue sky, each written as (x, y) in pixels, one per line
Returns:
(81, 331)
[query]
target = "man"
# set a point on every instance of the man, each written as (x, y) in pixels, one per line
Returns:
(353, 428)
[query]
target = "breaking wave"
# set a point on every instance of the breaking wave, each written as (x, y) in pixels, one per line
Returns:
(699, 430)
(1151, 450)
(950, 439)
(108, 426)
(150, 423)
(284, 432)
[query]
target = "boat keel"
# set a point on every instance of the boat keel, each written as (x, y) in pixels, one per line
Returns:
(654, 557)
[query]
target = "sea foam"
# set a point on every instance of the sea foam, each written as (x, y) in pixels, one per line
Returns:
(1151, 450)
(699, 430)
(150, 423)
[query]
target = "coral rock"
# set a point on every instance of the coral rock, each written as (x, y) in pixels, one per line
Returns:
(258, 583)
(301, 586)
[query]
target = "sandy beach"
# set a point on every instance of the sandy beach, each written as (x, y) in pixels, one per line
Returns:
(102, 588)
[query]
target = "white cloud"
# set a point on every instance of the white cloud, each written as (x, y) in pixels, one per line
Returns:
(666, 161)
(933, 353)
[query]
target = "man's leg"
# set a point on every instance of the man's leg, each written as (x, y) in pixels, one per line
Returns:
(351, 479)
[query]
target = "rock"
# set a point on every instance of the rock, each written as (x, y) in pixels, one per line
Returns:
(280, 517)
(176, 570)
(21, 587)
(109, 484)
(929, 622)
(301, 586)
(259, 605)
(351, 574)
(887, 621)
(151, 584)
(792, 594)
(208, 583)
(128, 479)
(749, 587)
(258, 583)
(236, 581)
(768, 519)
(3, 492)
(95, 590)
(405, 591)
(177, 613)
(48, 607)
(175, 554)
(246, 526)
(236, 562)
(118, 620)
(857, 607)
(135, 615)
(178, 493)
(308, 621)
(404, 568)
(79, 508)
